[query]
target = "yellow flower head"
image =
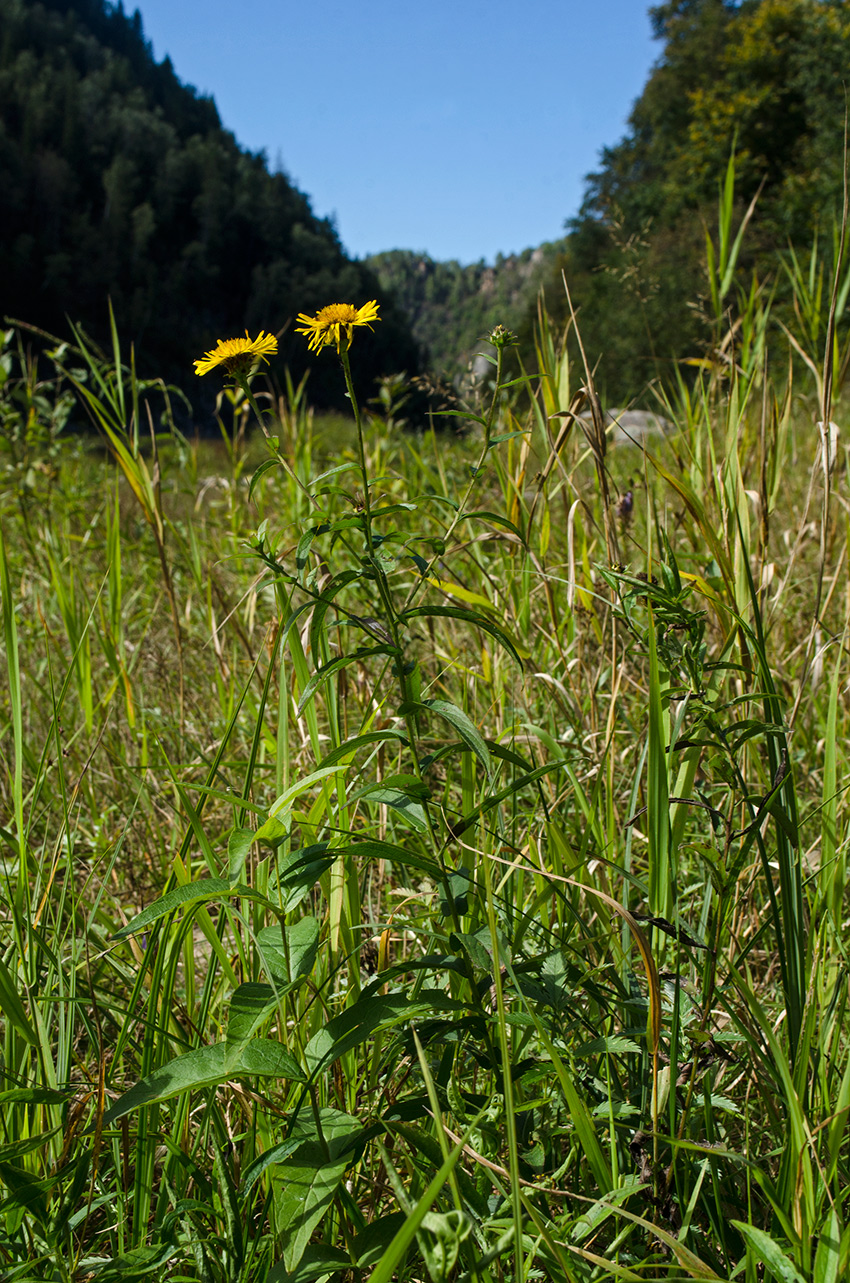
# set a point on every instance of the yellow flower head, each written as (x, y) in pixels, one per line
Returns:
(238, 356)
(328, 325)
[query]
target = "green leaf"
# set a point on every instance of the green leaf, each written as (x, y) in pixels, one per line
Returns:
(349, 747)
(462, 723)
(439, 1238)
(33, 1096)
(13, 1007)
(506, 436)
(300, 872)
(25, 1191)
(335, 665)
(332, 472)
(614, 1045)
(301, 943)
(497, 519)
(320, 1261)
(205, 1067)
(355, 1025)
(135, 1263)
(265, 466)
(306, 1182)
(828, 1251)
(18, 1148)
(462, 594)
(375, 850)
(496, 798)
(238, 847)
(191, 893)
(250, 1005)
(766, 1251)
(406, 1232)
(369, 1246)
(513, 648)
(463, 414)
(272, 1156)
(283, 804)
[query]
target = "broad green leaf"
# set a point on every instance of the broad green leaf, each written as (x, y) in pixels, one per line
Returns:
(407, 807)
(400, 855)
(496, 798)
(33, 1096)
(193, 893)
(336, 665)
(369, 1246)
(18, 1148)
(497, 519)
(301, 944)
(301, 871)
(615, 1045)
(135, 1263)
(25, 1191)
(513, 647)
(238, 847)
(306, 1182)
(354, 1025)
(332, 472)
(828, 1251)
(272, 1156)
(462, 723)
(250, 1005)
(349, 747)
(406, 1232)
(265, 466)
(439, 1238)
(320, 1262)
(507, 436)
(205, 1067)
(767, 1251)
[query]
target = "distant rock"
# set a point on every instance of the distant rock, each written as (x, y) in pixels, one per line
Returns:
(633, 427)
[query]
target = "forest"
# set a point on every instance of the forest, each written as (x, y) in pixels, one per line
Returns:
(118, 182)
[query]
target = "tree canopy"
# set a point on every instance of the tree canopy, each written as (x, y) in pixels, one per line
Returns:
(118, 181)
(452, 306)
(763, 77)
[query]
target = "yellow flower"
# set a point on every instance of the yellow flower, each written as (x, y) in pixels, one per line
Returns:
(328, 324)
(238, 355)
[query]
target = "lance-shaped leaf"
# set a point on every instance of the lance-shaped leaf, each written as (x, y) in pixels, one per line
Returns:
(205, 1067)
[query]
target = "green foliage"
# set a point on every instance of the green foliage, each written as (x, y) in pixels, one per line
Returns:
(117, 179)
(763, 79)
(427, 896)
(451, 307)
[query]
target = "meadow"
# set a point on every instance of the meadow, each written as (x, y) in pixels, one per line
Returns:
(424, 849)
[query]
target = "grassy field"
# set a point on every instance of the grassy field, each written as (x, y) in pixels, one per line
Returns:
(429, 862)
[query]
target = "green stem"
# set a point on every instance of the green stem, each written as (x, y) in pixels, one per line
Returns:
(485, 448)
(383, 587)
(367, 504)
(242, 380)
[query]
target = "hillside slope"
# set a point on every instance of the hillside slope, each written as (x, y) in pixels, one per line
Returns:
(451, 306)
(763, 79)
(117, 180)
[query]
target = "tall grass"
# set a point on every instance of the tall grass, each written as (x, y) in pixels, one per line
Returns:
(397, 884)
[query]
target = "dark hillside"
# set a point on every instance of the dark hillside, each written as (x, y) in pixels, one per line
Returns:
(117, 180)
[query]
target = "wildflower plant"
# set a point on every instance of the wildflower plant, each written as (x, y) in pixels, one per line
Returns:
(481, 941)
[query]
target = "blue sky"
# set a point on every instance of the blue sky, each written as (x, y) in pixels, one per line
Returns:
(461, 128)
